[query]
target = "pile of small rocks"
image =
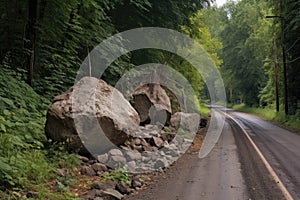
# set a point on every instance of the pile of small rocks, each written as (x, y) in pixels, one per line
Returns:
(147, 150)
(109, 189)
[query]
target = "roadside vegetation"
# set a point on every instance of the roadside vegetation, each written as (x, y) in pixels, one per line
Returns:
(291, 122)
(251, 42)
(28, 164)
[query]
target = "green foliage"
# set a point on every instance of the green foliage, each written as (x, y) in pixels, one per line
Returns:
(204, 110)
(292, 43)
(247, 40)
(247, 37)
(117, 175)
(21, 130)
(24, 160)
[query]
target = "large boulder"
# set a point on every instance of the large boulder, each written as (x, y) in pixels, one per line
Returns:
(186, 121)
(89, 103)
(152, 104)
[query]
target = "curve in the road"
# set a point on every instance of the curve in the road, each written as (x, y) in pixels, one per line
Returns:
(281, 186)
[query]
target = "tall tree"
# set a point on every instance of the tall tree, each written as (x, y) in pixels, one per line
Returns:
(292, 24)
(246, 43)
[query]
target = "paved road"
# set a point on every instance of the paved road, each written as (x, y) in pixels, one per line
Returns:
(280, 147)
(233, 170)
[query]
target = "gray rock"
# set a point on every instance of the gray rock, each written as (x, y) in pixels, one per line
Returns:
(92, 194)
(115, 152)
(136, 183)
(112, 193)
(87, 170)
(151, 127)
(156, 141)
(122, 188)
(138, 148)
(103, 158)
(173, 153)
(146, 159)
(161, 163)
(167, 136)
(99, 167)
(152, 103)
(118, 159)
(97, 185)
(187, 121)
(137, 141)
(88, 97)
(131, 166)
(133, 155)
(82, 158)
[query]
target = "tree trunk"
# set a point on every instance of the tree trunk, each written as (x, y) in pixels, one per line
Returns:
(30, 36)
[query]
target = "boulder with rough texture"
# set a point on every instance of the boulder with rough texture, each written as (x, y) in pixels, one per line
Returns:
(152, 104)
(112, 194)
(89, 103)
(186, 121)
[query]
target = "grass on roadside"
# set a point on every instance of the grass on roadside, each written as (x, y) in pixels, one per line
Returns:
(291, 122)
(204, 111)
(28, 165)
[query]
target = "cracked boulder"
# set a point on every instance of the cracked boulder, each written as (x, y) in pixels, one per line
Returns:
(152, 104)
(91, 115)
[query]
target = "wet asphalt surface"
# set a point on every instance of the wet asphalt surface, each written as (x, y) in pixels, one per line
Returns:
(233, 170)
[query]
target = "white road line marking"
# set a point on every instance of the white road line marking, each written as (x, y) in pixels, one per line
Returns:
(281, 186)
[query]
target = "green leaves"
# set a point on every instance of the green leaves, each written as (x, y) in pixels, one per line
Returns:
(247, 40)
(117, 175)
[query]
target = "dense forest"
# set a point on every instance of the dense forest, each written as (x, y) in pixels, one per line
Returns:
(43, 43)
(248, 30)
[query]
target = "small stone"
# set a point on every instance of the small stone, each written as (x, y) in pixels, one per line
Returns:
(99, 167)
(136, 183)
(125, 148)
(112, 193)
(118, 159)
(110, 184)
(103, 158)
(150, 127)
(134, 155)
(138, 148)
(122, 188)
(156, 141)
(99, 173)
(173, 153)
(92, 194)
(88, 171)
(167, 136)
(160, 163)
(137, 141)
(149, 148)
(82, 158)
(146, 159)
(92, 162)
(97, 185)
(131, 166)
(115, 152)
